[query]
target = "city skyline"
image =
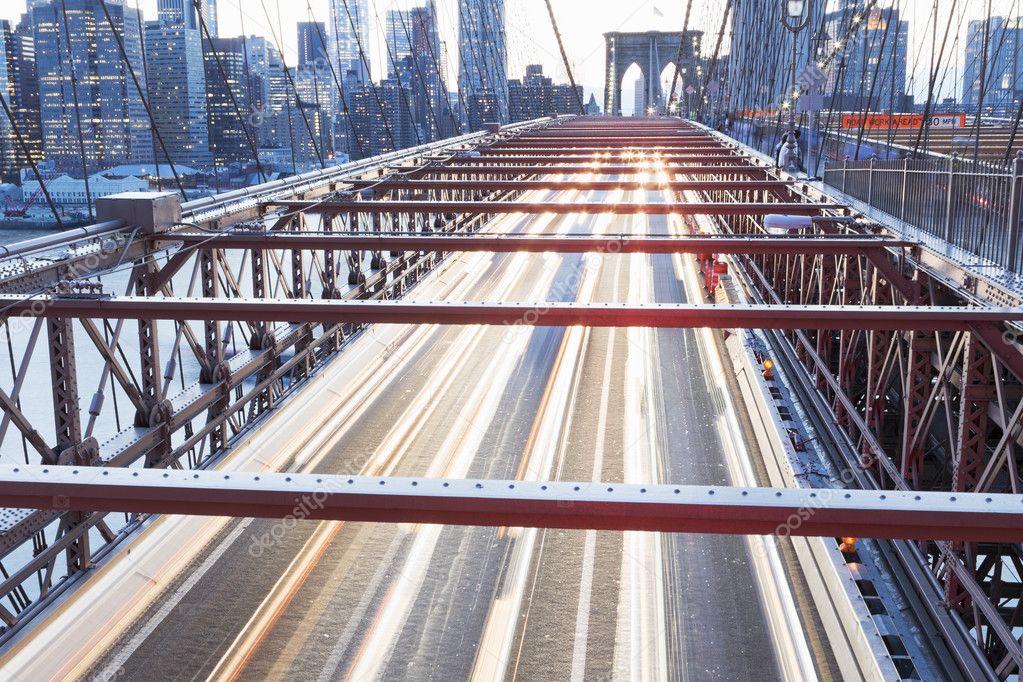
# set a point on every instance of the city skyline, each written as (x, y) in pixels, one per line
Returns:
(225, 99)
(530, 39)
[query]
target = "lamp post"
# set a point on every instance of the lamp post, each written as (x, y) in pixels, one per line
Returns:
(819, 47)
(794, 17)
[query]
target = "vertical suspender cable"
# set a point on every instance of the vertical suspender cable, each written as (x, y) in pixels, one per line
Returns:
(149, 93)
(934, 72)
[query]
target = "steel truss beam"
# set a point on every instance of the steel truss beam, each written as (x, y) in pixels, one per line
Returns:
(596, 506)
(568, 185)
(640, 165)
(701, 147)
(655, 315)
(613, 142)
(626, 169)
(548, 208)
(537, 158)
(538, 244)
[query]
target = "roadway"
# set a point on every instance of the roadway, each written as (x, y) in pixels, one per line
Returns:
(253, 599)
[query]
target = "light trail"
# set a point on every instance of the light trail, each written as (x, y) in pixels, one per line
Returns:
(791, 647)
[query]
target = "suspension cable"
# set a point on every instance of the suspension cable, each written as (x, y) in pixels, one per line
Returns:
(564, 58)
(227, 86)
(142, 96)
(31, 159)
(681, 51)
(77, 104)
(294, 87)
(369, 75)
(337, 81)
(403, 94)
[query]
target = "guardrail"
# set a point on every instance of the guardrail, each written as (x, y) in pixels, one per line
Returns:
(972, 205)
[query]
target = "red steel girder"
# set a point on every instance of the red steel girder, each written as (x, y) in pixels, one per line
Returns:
(666, 159)
(569, 185)
(613, 143)
(597, 506)
(654, 315)
(585, 169)
(532, 147)
(534, 244)
(707, 149)
(552, 207)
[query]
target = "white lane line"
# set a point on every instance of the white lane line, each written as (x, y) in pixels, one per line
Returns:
(142, 634)
(641, 638)
(464, 439)
(499, 635)
(783, 621)
(582, 615)
(357, 617)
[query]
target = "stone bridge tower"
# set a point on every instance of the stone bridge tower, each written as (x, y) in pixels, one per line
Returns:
(651, 51)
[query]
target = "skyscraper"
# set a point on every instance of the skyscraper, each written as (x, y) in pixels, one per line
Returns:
(380, 120)
(312, 130)
(483, 54)
(349, 26)
(227, 100)
(871, 74)
(20, 88)
(263, 88)
(177, 93)
(88, 102)
(398, 30)
(414, 54)
(182, 12)
(312, 51)
(998, 45)
(8, 146)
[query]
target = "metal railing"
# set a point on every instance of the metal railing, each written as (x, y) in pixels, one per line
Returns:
(972, 205)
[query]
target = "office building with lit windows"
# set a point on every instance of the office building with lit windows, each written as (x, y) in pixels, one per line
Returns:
(177, 93)
(484, 58)
(91, 112)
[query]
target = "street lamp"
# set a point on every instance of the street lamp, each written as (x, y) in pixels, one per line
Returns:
(794, 17)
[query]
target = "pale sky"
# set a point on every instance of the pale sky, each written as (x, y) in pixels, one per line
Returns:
(582, 22)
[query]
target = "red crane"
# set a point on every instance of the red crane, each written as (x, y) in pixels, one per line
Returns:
(10, 211)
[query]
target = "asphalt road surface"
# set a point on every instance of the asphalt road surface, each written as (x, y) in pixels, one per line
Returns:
(324, 601)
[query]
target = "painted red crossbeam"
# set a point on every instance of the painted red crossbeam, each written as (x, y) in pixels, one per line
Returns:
(553, 207)
(541, 314)
(647, 162)
(569, 185)
(630, 154)
(536, 244)
(596, 506)
(610, 143)
(703, 146)
(625, 169)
